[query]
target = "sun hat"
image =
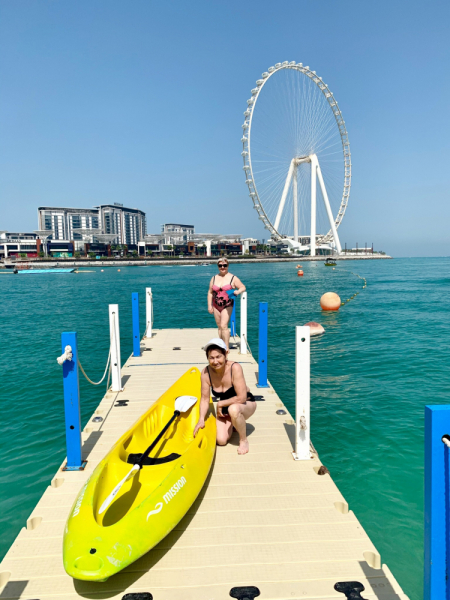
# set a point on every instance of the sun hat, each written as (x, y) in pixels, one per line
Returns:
(215, 342)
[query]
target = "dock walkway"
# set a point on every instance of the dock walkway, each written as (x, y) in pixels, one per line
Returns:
(261, 520)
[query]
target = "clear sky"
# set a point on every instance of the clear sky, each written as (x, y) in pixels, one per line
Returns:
(141, 102)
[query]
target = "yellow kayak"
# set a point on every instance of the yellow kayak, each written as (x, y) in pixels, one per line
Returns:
(148, 506)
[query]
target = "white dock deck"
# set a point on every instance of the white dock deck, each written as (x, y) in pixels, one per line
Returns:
(261, 520)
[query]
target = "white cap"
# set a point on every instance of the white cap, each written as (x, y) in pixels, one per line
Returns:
(215, 342)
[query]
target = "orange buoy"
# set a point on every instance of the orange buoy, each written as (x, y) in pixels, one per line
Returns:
(300, 273)
(330, 301)
(315, 328)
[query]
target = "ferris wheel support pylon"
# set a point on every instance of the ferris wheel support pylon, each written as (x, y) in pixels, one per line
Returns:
(284, 194)
(314, 163)
(295, 203)
(328, 207)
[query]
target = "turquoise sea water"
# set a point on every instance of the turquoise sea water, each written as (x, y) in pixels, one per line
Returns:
(383, 357)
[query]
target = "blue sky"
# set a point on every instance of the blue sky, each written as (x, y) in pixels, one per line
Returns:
(141, 102)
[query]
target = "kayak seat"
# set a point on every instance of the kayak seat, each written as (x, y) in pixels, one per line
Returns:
(133, 459)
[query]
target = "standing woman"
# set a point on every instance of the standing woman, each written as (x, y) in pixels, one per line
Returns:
(220, 303)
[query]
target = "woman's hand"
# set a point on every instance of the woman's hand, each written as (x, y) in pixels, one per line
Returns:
(200, 425)
(210, 310)
(219, 411)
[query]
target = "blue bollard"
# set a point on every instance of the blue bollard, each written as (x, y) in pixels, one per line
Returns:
(233, 318)
(262, 348)
(437, 504)
(72, 404)
(135, 314)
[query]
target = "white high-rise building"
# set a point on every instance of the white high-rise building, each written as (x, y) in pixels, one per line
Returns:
(129, 224)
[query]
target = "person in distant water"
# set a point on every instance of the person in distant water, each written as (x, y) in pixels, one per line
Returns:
(220, 303)
(235, 401)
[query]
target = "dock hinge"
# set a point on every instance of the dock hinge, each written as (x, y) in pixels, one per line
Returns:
(351, 589)
(246, 592)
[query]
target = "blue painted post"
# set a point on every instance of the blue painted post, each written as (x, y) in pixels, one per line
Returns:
(233, 318)
(437, 504)
(262, 349)
(135, 314)
(72, 403)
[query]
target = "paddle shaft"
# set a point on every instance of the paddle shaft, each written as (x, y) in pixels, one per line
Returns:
(153, 444)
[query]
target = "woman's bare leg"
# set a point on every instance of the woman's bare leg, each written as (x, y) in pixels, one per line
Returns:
(218, 320)
(225, 317)
(239, 413)
(224, 430)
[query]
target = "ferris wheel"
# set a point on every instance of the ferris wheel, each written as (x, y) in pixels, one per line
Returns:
(296, 153)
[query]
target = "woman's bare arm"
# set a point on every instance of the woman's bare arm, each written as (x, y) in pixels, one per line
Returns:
(204, 402)
(240, 287)
(210, 296)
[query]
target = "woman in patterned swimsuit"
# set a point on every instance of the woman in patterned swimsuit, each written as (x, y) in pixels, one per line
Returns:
(220, 304)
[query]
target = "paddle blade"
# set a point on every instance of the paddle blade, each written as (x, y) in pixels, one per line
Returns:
(184, 403)
(118, 487)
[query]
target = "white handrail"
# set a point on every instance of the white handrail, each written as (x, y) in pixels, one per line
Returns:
(149, 312)
(302, 394)
(114, 332)
(243, 323)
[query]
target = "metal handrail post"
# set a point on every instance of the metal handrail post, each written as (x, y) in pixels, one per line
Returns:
(244, 323)
(262, 345)
(135, 319)
(437, 503)
(71, 387)
(148, 312)
(302, 393)
(114, 336)
(233, 320)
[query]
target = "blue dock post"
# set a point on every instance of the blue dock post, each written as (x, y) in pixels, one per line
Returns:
(72, 403)
(233, 319)
(135, 314)
(262, 345)
(437, 504)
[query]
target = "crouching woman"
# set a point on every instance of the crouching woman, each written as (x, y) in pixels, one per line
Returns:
(235, 401)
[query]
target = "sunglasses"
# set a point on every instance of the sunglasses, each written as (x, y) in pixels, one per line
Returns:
(222, 266)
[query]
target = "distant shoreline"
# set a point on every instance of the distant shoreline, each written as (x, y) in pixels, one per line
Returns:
(140, 262)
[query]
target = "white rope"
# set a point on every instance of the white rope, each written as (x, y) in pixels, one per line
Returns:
(109, 377)
(104, 374)
(66, 356)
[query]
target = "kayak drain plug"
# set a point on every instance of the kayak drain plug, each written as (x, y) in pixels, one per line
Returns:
(92, 550)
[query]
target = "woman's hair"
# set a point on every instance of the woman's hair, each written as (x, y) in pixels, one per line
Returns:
(213, 347)
(223, 260)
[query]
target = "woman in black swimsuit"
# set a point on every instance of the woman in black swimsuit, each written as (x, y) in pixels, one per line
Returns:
(235, 402)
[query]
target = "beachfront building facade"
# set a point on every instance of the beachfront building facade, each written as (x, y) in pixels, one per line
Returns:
(14, 244)
(126, 226)
(196, 244)
(176, 233)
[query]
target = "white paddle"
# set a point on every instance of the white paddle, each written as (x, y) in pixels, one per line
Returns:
(182, 404)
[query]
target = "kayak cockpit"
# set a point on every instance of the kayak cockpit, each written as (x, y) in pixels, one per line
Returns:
(163, 459)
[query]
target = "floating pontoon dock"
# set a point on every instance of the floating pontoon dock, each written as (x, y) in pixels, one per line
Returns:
(262, 520)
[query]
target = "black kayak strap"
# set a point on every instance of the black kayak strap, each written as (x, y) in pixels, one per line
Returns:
(133, 459)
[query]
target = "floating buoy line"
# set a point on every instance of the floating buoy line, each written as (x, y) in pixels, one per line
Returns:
(356, 293)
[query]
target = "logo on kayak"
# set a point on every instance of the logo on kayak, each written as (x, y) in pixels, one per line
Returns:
(158, 508)
(174, 490)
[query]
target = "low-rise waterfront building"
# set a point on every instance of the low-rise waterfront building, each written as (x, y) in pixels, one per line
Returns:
(176, 233)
